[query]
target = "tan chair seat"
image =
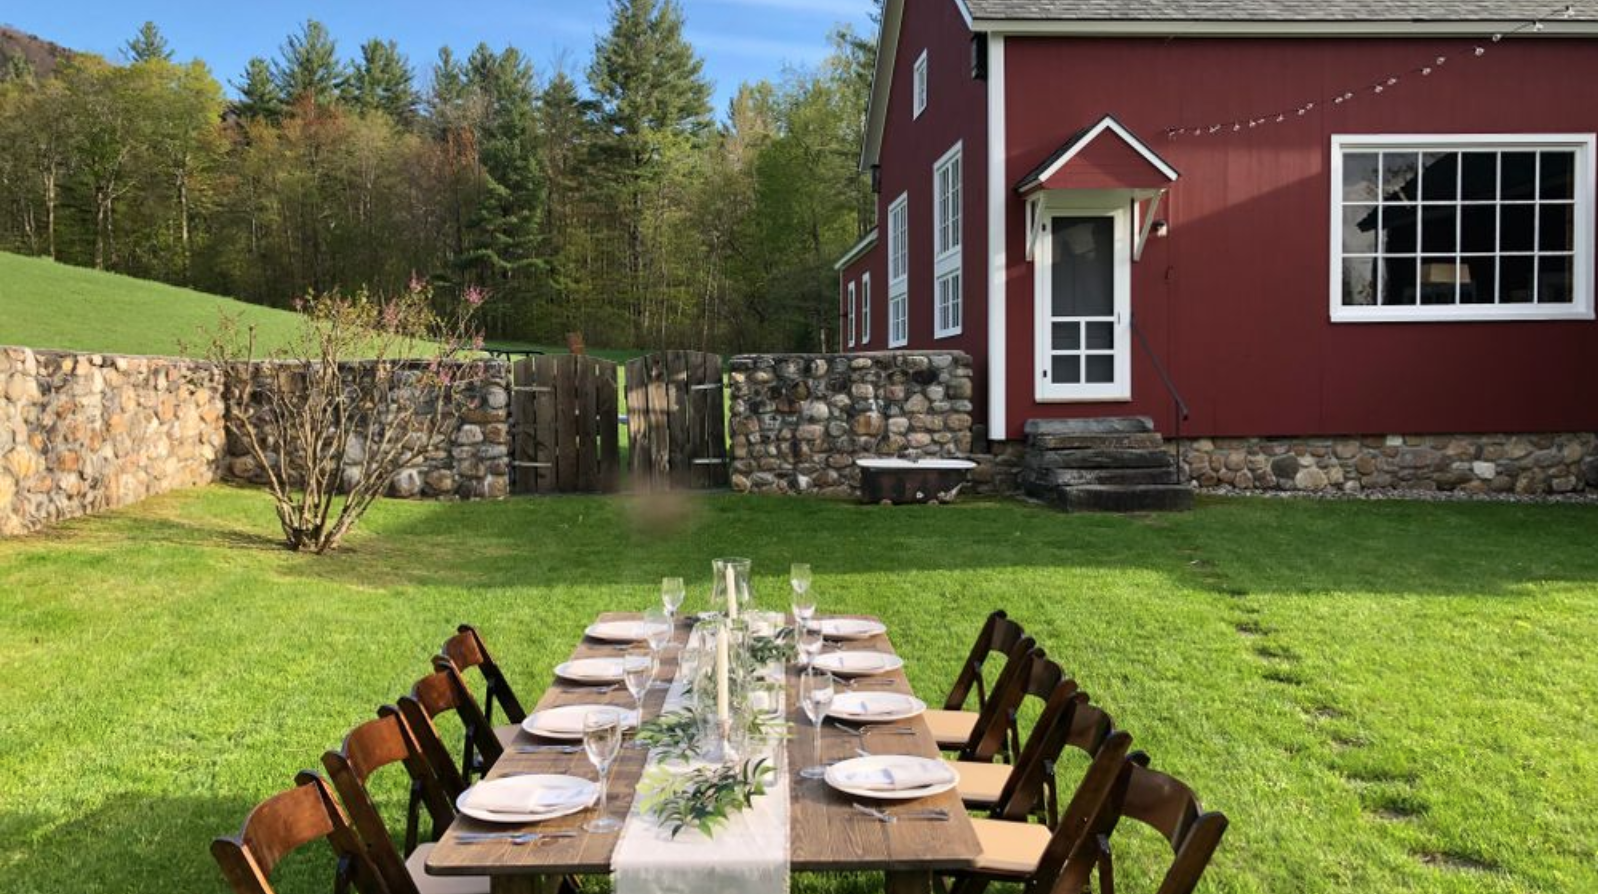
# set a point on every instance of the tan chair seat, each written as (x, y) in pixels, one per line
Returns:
(441, 884)
(950, 729)
(980, 784)
(507, 733)
(1010, 848)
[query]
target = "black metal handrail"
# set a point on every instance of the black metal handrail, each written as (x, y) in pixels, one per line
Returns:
(1165, 376)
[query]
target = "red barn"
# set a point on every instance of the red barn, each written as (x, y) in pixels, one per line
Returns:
(1354, 235)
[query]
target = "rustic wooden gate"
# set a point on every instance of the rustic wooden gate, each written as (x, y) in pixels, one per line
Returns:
(676, 422)
(564, 425)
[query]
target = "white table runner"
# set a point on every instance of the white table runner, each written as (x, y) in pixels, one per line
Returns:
(749, 855)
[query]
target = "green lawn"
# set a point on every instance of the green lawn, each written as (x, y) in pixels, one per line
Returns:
(48, 305)
(1382, 696)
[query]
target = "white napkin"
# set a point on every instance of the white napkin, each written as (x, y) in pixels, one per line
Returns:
(526, 797)
(858, 661)
(596, 668)
(847, 627)
(869, 704)
(897, 776)
(570, 719)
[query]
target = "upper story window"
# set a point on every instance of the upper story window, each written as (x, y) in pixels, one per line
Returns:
(1441, 228)
(948, 278)
(921, 84)
(899, 272)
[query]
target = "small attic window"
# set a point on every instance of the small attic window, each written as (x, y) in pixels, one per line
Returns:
(921, 84)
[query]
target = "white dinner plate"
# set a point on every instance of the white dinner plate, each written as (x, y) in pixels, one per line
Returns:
(860, 707)
(621, 631)
(858, 664)
(837, 776)
(580, 793)
(851, 628)
(566, 721)
(592, 670)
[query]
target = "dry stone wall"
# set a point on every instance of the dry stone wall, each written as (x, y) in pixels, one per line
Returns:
(82, 433)
(1473, 464)
(799, 421)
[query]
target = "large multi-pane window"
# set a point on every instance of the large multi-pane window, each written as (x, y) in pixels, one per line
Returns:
(947, 273)
(899, 272)
(1446, 228)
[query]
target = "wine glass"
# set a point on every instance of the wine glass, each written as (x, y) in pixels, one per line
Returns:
(804, 604)
(810, 643)
(602, 741)
(638, 672)
(815, 695)
(658, 628)
(672, 592)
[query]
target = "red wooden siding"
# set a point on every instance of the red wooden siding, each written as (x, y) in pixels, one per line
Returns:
(873, 261)
(1235, 301)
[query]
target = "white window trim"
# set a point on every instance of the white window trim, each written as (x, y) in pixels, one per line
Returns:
(1579, 309)
(948, 263)
(920, 87)
(899, 286)
(1042, 273)
(851, 314)
(865, 308)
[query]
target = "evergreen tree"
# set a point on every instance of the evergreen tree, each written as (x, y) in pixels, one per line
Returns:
(147, 45)
(382, 81)
(308, 67)
(259, 98)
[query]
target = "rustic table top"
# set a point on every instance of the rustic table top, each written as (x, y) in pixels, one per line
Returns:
(827, 834)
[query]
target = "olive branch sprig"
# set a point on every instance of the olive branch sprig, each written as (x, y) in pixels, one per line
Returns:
(704, 798)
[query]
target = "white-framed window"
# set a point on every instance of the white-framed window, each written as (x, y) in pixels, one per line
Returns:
(899, 272)
(851, 314)
(920, 84)
(1461, 227)
(948, 279)
(865, 308)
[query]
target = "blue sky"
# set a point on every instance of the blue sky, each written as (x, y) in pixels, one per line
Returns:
(738, 39)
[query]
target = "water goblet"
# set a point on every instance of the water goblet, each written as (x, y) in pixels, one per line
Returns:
(638, 672)
(672, 593)
(804, 604)
(602, 734)
(815, 696)
(810, 643)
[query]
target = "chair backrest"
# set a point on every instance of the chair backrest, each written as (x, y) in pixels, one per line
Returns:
(1067, 863)
(997, 730)
(1031, 786)
(440, 692)
(286, 822)
(467, 650)
(999, 634)
(368, 748)
(1170, 807)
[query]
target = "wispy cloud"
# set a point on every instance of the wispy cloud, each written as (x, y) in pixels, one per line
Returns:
(760, 47)
(826, 8)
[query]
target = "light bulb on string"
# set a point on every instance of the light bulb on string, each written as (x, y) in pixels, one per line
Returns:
(1480, 51)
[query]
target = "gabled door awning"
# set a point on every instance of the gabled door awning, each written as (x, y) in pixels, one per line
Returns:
(1105, 159)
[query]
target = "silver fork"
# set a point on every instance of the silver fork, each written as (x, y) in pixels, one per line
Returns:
(552, 749)
(596, 690)
(934, 814)
(863, 731)
(517, 838)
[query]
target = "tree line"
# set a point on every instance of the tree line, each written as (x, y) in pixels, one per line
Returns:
(619, 206)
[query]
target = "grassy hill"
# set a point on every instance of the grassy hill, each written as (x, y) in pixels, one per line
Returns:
(48, 305)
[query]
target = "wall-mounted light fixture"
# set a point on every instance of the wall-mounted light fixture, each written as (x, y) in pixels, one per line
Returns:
(1162, 228)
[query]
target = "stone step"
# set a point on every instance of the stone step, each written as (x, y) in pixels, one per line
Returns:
(1109, 425)
(1099, 459)
(1109, 498)
(1113, 477)
(1134, 441)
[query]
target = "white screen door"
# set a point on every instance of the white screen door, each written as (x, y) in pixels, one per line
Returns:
(1084, 315)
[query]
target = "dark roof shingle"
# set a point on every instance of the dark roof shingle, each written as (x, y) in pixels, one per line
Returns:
(1277, 10)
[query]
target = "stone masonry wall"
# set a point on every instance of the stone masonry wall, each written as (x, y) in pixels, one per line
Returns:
(799, 421)
(1479, 464)
(469, 460)
(82, 433)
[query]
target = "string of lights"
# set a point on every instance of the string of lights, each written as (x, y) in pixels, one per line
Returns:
(1376, 88)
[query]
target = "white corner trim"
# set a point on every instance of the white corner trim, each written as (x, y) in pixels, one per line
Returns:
(965, 13)
(882, 82)
(998, 195)
(1582, 306)
(1107, 123)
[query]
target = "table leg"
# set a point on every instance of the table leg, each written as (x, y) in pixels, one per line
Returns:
(907, 881)
(524, 884)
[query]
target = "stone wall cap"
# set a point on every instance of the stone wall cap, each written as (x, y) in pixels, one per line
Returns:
(1113, 425)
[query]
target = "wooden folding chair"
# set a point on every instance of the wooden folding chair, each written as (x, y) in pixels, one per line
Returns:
(1163, 803)
(438, 693)
(953, 727)
(1029, 853)
(1028, 785)
(286, 822)
(368, 748)
(467, 650)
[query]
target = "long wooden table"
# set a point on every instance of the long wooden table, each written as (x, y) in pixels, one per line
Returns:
(827, 834)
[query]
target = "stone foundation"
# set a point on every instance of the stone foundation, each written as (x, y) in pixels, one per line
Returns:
(1479, 464)
(799, 421)
(82, 433)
